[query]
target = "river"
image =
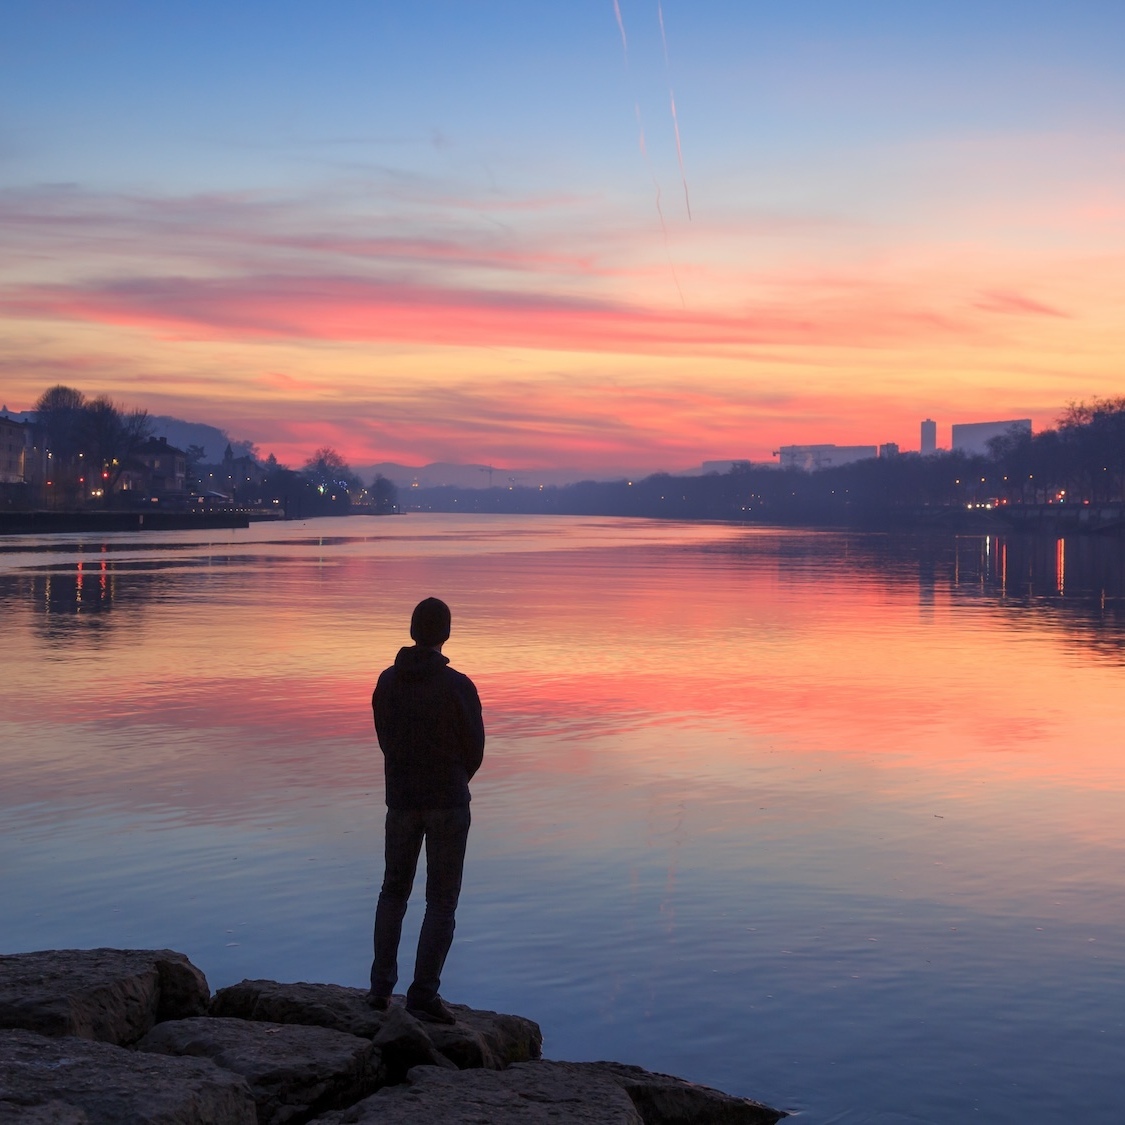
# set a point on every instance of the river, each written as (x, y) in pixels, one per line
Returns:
(831, 820)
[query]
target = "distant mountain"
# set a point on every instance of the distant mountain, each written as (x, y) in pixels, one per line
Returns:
(443, 473)
(181, 434)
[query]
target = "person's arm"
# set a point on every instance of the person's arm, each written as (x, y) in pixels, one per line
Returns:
(472, 726)
(379, 708)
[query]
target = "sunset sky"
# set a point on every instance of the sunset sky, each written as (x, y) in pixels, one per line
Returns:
(466, 231)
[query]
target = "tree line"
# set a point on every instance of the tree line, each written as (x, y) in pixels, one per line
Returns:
(89, 445)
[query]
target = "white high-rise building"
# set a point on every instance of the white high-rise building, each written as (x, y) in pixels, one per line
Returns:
(929, 436)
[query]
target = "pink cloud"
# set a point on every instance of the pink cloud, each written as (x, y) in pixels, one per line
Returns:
(278, 307)
(1000, 301)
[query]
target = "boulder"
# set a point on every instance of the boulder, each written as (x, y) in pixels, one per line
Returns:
(111, 995)
(527, 1094)
(315, 1005)
(664, 1100)
(293, 1072)
(286, 1054)
(70, 1081)
(46, 1113)
(403, 1043)
(488, 1040)
(538, 1092)
(478, 1039)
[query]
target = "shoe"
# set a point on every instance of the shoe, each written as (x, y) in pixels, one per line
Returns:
(432, 1011)
(379, 1003)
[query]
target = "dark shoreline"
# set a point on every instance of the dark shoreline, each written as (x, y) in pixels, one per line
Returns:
(46, 523)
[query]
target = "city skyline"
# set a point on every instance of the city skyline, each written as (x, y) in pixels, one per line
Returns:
(543, 238)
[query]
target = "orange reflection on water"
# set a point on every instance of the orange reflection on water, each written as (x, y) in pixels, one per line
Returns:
(802, 653)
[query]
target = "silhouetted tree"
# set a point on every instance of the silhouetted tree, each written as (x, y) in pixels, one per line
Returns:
(384, 495)
(59, 412)
(110, 438)
(193, 458)
(329, 471)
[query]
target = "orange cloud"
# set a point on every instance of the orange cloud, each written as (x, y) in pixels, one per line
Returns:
(357, 309)
(1002, 302)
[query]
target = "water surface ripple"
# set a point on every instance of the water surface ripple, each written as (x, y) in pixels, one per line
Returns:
(831, 820)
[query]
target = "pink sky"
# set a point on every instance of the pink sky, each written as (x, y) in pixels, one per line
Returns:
(496, 272)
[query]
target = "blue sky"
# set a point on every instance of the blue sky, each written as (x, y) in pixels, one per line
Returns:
(907, 179)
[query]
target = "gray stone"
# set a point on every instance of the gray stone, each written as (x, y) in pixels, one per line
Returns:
(526, 1094)
(478, 1039)
(664, 1100)
(70, 1081)
(487, 1040)
(404, 1044)
(536, 1092)
(294, 1072)
(315, 1005)
(112, 995)
(46, 1113)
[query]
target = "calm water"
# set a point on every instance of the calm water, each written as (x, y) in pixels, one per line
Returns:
(829, 820)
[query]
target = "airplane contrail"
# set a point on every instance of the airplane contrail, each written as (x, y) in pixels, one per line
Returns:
(644, 150)
(672, 104)
(679, 151)
(621, 28)
(659, 206)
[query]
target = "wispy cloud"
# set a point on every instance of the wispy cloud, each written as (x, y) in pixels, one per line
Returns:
(355, 309)
(1016, 303)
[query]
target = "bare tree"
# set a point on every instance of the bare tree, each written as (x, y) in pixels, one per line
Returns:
(111, 439)
(327, 469)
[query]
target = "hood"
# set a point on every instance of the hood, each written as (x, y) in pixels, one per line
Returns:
(415, 662)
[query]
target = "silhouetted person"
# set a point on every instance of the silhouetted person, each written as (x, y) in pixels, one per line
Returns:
(428, 720)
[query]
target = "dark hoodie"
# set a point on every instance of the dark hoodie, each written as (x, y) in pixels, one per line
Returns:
(428, 719)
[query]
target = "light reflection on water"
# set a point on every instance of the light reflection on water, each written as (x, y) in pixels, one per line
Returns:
(830, 820)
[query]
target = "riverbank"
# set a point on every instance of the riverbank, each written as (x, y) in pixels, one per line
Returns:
(111, 1036)
(45, 523)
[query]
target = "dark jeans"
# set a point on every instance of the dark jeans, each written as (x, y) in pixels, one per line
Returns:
(446, 831)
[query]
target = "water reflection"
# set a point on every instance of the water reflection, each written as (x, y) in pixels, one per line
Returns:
(825, 818)
(1076, 584)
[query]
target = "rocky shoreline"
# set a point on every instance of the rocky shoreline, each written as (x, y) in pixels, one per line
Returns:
(134, 1037)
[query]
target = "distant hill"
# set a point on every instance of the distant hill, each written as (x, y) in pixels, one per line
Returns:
(442, 473)
(181, 434)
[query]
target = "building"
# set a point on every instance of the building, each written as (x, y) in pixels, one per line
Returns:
(165, 466)
(929, 437)
(811, 457)
(237, 478)
(12, 451)
(972, 438)
(888, 449)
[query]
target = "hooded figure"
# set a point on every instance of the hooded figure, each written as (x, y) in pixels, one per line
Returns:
(430, 730)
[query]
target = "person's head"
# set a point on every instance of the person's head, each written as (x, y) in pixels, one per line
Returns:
(429, 623)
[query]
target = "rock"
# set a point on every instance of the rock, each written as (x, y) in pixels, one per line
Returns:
(664, 1100)
(483, 1039)
(46, 1113)
(403, 1043)
(478, 1039)
(282, 1054)
(315, 1005)
(526, 1094)
(293, 1072)
(112, 995)
(70, 1081)
(535, 1092)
